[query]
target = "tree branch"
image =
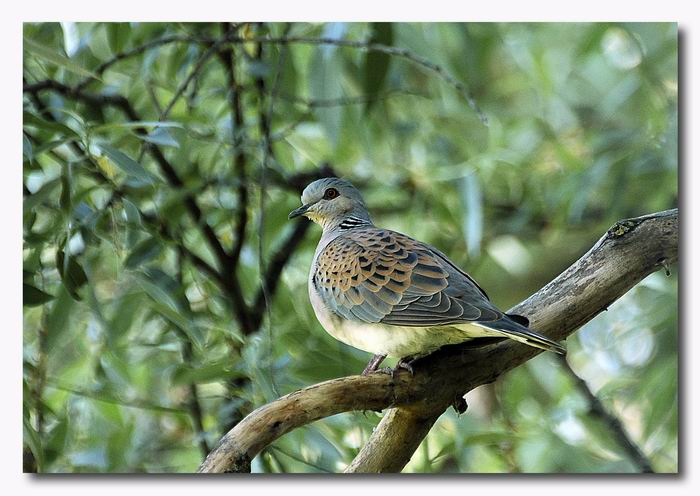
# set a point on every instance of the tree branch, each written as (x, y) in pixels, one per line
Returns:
(375, 47)
(167, 169)
(100, 69)
(628, 252)
(613, 423)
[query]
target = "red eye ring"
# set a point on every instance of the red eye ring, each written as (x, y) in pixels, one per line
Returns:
(330, 193)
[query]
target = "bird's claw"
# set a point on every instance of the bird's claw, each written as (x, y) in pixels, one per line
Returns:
(406, 364)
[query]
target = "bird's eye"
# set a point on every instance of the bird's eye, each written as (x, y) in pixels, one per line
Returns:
(330, 193)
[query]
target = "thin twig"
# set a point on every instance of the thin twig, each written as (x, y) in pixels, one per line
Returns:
(313, 103)
(101, 396)
(613, 423)
(609, 269)
(198, 66)
(301, 460)
(227, 58)
(165, 166)
(274, 269)
(361, 45)
(376, 47)
(100, 69)
(187, 351)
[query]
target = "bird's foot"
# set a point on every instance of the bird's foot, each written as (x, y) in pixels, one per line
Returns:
(373, 364)
(405, 363)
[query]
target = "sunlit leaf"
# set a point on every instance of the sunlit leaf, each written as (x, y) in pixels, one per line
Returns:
(30, 119)
(56, 58)
(161, 136)
(27, 150)
(127, 164)
(33, 201)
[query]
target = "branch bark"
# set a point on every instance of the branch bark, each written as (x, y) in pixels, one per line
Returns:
(629, 251)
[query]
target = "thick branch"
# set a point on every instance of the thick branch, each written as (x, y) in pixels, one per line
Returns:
(628, 252)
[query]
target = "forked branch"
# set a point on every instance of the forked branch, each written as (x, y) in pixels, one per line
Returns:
(629, 251)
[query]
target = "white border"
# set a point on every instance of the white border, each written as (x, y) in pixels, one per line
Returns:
(14, 13)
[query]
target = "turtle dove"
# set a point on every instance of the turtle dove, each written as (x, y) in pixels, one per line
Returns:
(388, 294)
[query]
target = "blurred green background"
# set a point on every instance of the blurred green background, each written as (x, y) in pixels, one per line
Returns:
(144, 342)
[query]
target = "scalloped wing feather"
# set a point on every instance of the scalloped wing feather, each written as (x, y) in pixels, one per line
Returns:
(376, 275)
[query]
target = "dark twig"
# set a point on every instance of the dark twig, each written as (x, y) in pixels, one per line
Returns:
(274, 269)
(608, 270)
(227, 58)
(165, 166)
(100, 69)
(107, 398)
(187, 351)
(348, 100)
(198, 66)
(361, 45)
(376, 47)
(613, 423)
(95, 171)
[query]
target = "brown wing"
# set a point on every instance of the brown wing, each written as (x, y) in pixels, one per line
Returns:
(377, 275)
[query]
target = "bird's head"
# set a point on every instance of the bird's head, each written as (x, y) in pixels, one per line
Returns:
(329, 201)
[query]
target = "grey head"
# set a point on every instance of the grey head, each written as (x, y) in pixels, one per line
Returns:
(332, 201)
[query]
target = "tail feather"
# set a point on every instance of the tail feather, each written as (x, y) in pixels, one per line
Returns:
(512, 329)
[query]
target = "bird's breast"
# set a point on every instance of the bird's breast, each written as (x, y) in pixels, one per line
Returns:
(383, 339)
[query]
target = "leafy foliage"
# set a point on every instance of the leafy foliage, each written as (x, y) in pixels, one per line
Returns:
(156, 196)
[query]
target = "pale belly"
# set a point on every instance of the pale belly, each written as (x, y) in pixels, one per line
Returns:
(394, 341)
(400, 342)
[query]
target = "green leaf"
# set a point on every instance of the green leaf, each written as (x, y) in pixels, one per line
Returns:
(212, 372)
(33, 442)
(27, 150)
(160, 136)
(71, 272)
(136, 124)
(29, 119)
(377, 63)
(56, 58)
(57, 323)
(48, 146)
(56, 440)
(117, 35)
(33, 297)
(144, 251)
(127, 164)
(662, 391)
(128, 306)
(169, 302)
(132, 213)
(489, 438)
(32, 201)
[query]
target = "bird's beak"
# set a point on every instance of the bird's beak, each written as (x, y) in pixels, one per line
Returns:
(299, 211)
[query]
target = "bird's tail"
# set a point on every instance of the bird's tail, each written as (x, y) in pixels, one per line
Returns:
(515, 327)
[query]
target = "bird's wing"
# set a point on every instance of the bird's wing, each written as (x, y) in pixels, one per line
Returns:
(381, 276)
(377, 275)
